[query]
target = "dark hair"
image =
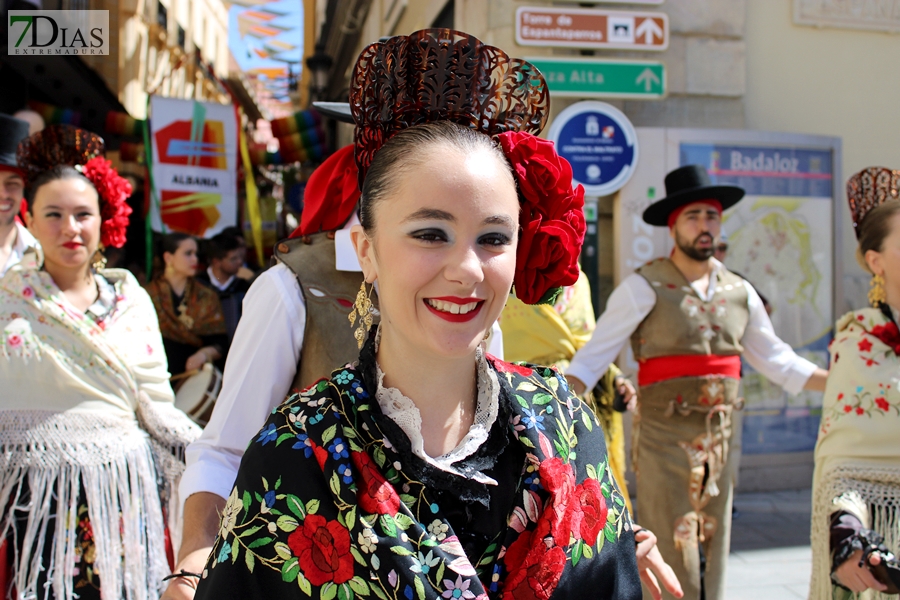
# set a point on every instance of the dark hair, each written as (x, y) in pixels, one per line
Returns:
(875, 227)
(223, 243)
(58, 172)
(171, 241)
(404, 151)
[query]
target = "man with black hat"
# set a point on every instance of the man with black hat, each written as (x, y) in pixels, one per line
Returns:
(689, 320)
(14, 238)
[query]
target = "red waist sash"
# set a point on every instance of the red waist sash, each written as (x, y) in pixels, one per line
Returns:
(662, 368)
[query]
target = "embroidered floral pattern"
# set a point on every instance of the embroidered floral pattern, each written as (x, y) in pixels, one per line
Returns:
(379, 534)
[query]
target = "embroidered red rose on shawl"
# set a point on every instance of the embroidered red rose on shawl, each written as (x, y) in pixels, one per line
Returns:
(505, 367)
(534, 574)
(882, 403)
(322, 549)
(552, 216)
(889, 334)
(376, 494)
(864, 345)
(590, 510)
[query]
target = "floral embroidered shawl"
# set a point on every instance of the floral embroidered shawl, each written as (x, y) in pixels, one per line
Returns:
(324, 506)
(858, 451)
(203, 306)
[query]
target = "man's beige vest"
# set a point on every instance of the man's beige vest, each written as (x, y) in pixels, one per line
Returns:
(683, 323)
(328, 341)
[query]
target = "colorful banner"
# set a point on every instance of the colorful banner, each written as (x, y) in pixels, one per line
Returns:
(195, 147)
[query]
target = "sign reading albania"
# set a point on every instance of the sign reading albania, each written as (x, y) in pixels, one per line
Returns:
(599, 142)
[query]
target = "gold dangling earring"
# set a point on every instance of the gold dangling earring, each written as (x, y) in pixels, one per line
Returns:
(99, 260)
(363, 309)
(877, 294)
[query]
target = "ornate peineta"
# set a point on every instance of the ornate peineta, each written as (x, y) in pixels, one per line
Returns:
(441, 75)
(57, 145)
(870, 188)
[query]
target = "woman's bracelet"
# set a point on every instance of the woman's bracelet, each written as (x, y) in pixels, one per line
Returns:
(182, 573)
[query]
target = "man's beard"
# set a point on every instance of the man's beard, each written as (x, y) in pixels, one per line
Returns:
(690, 249)
(6, 222)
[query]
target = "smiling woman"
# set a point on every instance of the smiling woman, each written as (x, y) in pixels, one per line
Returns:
(88, 430)
(430, 469)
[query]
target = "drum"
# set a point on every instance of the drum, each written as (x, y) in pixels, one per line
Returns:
(197, 394)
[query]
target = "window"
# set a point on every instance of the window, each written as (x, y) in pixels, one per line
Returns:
(445, 17)
(162, 16)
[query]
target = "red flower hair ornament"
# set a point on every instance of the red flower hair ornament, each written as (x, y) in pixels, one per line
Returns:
(551, 218)
(68, 145)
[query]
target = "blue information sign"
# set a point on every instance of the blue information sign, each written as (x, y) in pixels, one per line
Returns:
(599, 142)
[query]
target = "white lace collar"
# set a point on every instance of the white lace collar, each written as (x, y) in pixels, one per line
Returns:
(405, 414)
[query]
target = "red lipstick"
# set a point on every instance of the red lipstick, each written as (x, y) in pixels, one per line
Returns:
(456, 318)
(72, 245)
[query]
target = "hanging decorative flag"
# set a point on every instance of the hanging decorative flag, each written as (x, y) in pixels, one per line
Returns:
(194, 166)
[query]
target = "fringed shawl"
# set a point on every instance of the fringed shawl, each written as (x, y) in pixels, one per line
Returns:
(203, 307)
(858, 451)
(329, 503)
(86, 406)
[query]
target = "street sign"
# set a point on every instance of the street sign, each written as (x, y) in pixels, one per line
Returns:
(599, 142)
(591, 28)
(596, 78)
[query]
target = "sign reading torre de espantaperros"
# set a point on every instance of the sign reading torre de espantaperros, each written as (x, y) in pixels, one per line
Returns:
(875, 15)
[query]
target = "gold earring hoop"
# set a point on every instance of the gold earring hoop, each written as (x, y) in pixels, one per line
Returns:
(363, 309)
(877, 294)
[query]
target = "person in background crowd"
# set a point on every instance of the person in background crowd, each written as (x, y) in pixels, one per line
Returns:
(190, 314)
(689, 320)
(856, 484)
(226, 253)
(90, 441)
(14, 237)
(244, 272)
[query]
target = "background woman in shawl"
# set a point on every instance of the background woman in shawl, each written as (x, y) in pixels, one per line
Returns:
(190, 314)
(856, 485)
(89, 437)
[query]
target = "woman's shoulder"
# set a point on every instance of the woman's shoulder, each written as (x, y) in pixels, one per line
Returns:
(863, 319)
(523, 373)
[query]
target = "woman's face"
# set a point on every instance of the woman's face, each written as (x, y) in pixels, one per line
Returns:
(887, 262)
(443, 251)
(184, 260)
(65, 219)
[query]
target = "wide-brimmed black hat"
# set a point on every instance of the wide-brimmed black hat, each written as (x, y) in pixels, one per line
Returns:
(339, 111)
(686, 185)
(12, 131)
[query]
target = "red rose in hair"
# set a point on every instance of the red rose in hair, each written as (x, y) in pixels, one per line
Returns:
(323, 550)
(113, 191)
(591, 510)
(376, 494)
(552, 216)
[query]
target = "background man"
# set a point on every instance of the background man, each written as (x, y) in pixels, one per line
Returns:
(689, 320)
(14, 238)
(226, 253)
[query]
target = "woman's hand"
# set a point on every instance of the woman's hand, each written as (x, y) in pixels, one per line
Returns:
(196, 360)
(859, 578)
(650, 561)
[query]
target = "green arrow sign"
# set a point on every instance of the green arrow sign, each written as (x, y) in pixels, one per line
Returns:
(595, 78)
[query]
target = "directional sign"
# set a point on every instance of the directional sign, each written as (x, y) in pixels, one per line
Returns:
(595, 78)
(591, 28)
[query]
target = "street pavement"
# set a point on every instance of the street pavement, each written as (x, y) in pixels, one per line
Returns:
(770, 554)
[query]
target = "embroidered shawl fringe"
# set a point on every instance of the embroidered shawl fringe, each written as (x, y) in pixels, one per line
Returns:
(51, 457)
(871, 494)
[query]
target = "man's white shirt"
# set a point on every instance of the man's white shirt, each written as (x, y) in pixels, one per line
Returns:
(261, 365)
(632, 301)
(24, 241)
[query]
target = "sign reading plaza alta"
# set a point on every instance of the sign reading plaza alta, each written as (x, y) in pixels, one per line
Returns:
(598, 78)
(591, 28)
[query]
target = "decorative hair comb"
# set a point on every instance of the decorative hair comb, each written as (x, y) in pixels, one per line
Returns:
(869, 189)
(57, 145)
(441, 75)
